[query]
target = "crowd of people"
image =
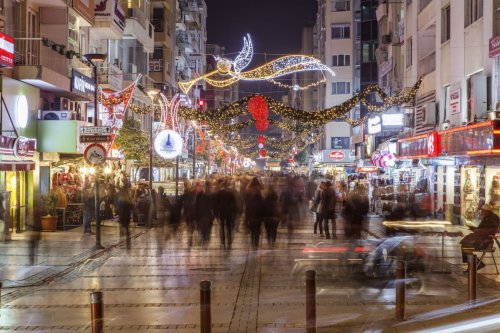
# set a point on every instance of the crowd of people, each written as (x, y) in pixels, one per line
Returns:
(255, 204)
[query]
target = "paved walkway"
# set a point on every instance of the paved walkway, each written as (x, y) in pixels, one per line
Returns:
(154, 287)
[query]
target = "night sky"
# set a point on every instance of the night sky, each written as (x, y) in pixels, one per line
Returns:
(275, 27)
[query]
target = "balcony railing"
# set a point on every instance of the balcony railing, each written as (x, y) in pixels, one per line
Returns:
(427, 64)
(157, 24)
(27, 51)
(155, 65)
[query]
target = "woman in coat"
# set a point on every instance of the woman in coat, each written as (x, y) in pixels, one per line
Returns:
(124, 212)
(253, 210)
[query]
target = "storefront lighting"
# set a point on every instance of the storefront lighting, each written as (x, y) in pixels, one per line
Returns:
(22, 111)
(107, 170)
(84, 170)
(92, 170)
(485, 151)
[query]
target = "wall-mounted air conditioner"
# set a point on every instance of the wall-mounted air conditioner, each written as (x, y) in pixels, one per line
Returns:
(61, 103)
(429, 114)
(58, 115)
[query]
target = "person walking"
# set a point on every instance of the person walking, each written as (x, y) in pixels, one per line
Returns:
(226, 211)
(328, 204)
(203, 213)
(271, 213)
(88, 209)
(318, 197)
(188, 209)
(253, 210)
(124, 212)
(356, 208)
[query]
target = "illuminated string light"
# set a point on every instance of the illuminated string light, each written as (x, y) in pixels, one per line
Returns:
(282, 66)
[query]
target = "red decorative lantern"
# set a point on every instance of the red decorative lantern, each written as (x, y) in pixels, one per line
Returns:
(261, 139)
(263, 153)
(257, 106)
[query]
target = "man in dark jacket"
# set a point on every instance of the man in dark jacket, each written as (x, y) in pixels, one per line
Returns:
(481, 236)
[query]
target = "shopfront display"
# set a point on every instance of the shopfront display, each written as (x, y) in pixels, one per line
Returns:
(492, 187)
(469, 190)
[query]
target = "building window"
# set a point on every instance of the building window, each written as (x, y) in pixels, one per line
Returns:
(341, 60)
(339, 142)
(341, 5)
(341, 88)
(473, 11)
(409, 51)
(445, 24)
(368, 52)
(341, 31)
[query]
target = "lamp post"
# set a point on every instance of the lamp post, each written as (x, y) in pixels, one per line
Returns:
(94, 59)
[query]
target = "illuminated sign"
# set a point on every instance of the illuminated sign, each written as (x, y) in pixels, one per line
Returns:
(82, 84)
(374, 125)
(168, 144)
(455, 101)
(367, 169)
(433, 144)
(392, 119)
(6, 51)
(22, 111)
(336, 155)
(19, 147)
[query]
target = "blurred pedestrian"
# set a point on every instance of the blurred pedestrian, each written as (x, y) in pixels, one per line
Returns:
(328, 204)
(271, 214)
(203, 213)
(356, 207)
(316, 200)
(226, 210)
(124, 212)
(188, 207)
(253, 210)
(88, 209)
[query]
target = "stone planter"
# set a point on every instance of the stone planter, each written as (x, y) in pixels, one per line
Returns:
(49, 223)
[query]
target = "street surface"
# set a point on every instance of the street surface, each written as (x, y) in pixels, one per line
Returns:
(154, 286)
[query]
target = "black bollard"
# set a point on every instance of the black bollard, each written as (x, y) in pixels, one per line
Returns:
(97, 312)
(400, 289)
(205, 310)
(472, 258)
(311, 302)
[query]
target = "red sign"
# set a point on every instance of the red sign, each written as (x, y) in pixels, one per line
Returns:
(494, 46)
(20, 146)
(336, 155)
(433, 144)
(6, 51)
(95, 154)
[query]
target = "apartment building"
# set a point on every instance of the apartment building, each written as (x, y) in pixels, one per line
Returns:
(335, 29)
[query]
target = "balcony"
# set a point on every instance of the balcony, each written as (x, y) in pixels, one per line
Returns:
(144, 35)
(109, 22)
(41, 65)
(111, 77)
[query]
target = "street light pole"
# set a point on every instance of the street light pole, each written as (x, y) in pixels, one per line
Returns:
(93, 58)
(194, 153)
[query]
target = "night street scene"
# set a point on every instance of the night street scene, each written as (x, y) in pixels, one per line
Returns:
(265, 166)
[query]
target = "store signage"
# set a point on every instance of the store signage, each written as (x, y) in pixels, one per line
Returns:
(392, 119)
(455, 101)
(433, 144)
(374, 125)
(20, 146)
(95, 154)
(366, 169)
(494, 46)
(110, 10)
(168, 144)
(22, 111)
(95, 130)
(336, 155)
(95, 138)
(6, 51)
(83, 7)
(82, 84)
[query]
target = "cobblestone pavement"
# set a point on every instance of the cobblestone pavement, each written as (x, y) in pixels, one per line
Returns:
(154, 286)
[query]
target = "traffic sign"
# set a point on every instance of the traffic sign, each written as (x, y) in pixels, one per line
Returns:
(94, 138)
(95, 154)
(95, 130)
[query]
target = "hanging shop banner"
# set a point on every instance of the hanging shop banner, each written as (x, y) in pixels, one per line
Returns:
(494, 46)
(110, 10)
(6, 51)
(168, 144)
(19, 147)
(95, 154)
(82, 84)
(455, 101)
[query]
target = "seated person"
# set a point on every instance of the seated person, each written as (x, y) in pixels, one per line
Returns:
(481, 236)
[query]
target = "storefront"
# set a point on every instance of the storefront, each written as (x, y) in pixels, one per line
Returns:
(19, 174)
(462, 167)
(336, 164)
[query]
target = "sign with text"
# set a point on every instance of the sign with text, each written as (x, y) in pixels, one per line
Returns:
(95, 138)
(455, 101)
(494, 46)
(95, 130)
(82, 84)
(19, 147)
(6, 51)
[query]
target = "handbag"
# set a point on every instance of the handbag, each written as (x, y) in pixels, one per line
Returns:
(313, 206)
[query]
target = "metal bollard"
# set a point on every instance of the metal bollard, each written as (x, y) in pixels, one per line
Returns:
(400, 289)
(97, 312)
(205, 310)
(311, 302)
(472, 258)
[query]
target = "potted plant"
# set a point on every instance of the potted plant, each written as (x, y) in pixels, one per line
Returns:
(48, 212)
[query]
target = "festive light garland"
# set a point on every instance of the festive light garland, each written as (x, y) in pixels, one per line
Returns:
(276, 68)
(297, 87)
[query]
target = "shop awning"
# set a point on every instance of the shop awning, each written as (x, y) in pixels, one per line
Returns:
(17, 165)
